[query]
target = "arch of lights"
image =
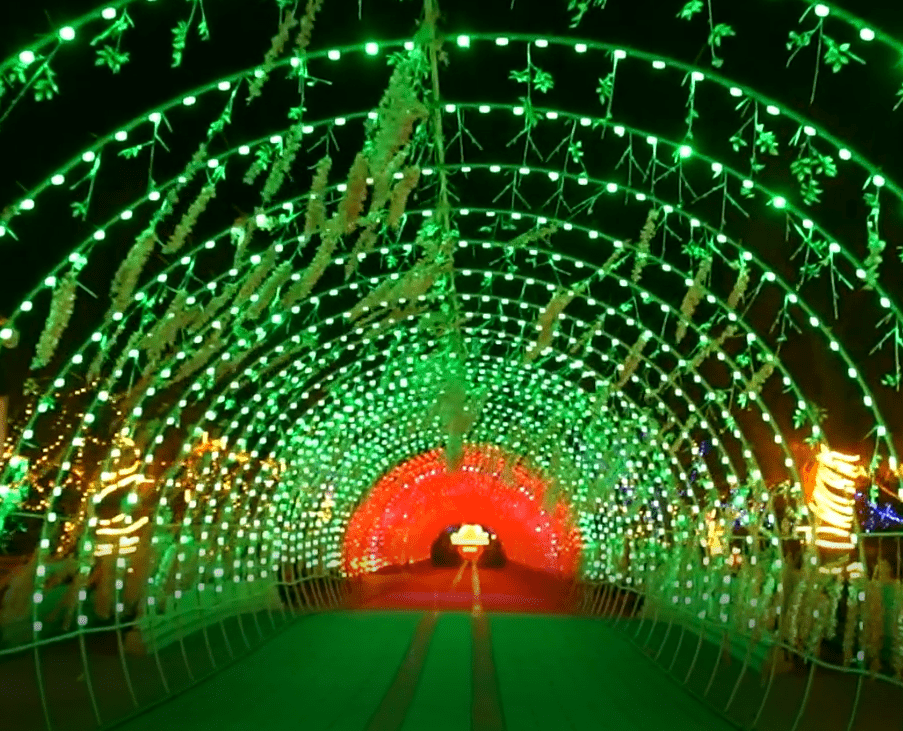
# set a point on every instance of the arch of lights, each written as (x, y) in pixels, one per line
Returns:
(433, 293)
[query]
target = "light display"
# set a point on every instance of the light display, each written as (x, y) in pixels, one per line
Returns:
(833, 499)
(470, 540)
(598, 294)
(470, 536)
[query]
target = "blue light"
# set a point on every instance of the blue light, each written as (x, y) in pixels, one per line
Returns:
(882, 517)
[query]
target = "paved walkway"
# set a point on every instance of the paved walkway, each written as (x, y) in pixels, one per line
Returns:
(378, 670)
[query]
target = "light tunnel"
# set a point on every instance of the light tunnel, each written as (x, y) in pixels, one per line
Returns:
(410, 506)
(289, 288)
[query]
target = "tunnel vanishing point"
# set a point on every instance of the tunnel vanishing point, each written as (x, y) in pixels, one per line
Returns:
(293, 293)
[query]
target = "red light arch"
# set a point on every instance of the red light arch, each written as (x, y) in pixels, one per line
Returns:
(410, 505)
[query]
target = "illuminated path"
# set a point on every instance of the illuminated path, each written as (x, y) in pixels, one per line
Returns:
(412, 670)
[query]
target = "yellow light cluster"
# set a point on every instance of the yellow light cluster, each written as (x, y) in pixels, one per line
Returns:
(127, 542)
(833, 499)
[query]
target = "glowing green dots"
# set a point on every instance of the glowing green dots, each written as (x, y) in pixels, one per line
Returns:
(580, 48)
(155, 117)
(611, 187)
(867, 34)
(736, 91)
(542, 43)
(6, 333)
(844, 153)
(371, 49)
(463, 41)
(244, 150)
(685, 151)
(27, 204)
(189, 101)
(779, 201)
(501, 41)
(334, 54)
(27, 58)
(108, 13)
(772, 110)
(67, 33)
(659, 65)
(822, 10)
(88, 156)
(879, 181)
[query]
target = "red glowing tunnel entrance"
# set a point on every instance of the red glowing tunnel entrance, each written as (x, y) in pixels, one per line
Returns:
(413, 503)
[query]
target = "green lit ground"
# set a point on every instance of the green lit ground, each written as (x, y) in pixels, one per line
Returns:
(551, 673)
